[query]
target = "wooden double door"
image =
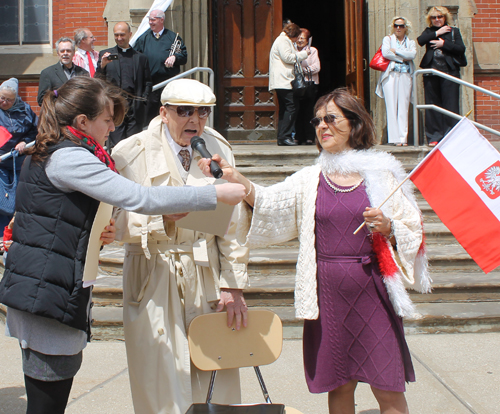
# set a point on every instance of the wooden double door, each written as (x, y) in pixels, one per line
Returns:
(243, 32)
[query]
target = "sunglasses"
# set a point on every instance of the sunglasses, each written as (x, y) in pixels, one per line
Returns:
(187, 111)
(329, 119)
(399, 26)
(437, 17)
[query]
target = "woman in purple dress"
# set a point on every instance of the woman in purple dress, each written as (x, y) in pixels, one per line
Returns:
(350, 289)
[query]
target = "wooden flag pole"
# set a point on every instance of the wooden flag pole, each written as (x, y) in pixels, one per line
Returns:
(383, 202)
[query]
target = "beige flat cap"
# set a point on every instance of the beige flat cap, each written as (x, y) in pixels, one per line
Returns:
(187, 92)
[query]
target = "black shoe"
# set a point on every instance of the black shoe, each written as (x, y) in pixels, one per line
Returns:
(288, 142)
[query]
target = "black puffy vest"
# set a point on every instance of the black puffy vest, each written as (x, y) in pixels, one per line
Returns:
(45, 263)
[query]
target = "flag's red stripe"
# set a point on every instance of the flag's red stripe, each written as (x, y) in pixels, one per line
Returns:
(458, 206)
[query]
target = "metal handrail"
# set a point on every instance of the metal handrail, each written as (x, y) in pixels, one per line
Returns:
(416, 107)
(211, 83)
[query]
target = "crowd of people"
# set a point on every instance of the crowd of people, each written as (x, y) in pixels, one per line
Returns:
(104, 136)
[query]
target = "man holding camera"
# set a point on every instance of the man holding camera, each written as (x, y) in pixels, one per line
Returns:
(128, 69)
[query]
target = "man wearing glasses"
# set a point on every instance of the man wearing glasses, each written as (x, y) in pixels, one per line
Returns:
(171, 274)
(166, 53)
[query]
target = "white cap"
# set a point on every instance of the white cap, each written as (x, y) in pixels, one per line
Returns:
(187, 92)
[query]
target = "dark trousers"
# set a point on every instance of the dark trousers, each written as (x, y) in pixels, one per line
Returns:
(126, 129)
(287, 113)
(153, 106)
(444, 93)
(304, 131)
(47, 397)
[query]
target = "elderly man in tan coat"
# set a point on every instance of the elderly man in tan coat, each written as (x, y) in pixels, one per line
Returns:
(172, 274)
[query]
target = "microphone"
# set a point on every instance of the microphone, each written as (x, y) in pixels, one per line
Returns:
(198, 144)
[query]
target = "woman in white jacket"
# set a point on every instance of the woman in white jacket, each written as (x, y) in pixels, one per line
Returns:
(349, 289)
(395, 84)
(282, 59)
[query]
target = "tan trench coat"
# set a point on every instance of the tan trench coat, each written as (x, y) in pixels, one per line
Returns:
(163, 287)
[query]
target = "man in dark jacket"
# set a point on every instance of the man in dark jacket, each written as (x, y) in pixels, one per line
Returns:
(57, 75)
(129, 70)
(166, 53)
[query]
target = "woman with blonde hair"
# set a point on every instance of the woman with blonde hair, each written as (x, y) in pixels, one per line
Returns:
(395, 84)
(444, 51)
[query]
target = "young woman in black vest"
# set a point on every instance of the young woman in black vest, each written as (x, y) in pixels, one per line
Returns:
(61, 184)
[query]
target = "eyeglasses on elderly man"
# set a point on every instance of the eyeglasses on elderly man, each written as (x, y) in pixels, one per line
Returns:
(186, 111)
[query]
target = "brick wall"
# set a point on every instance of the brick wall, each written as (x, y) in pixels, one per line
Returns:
(486, 23)
(67, 17)
(486, 108)
(28, 92)
(70, 15)
(486, 28)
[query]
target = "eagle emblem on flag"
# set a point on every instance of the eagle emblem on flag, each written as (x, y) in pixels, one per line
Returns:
(489, 181)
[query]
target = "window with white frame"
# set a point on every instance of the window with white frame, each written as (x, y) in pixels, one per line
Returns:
(24, 22)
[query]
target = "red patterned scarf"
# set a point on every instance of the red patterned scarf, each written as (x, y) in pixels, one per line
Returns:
(98, 150)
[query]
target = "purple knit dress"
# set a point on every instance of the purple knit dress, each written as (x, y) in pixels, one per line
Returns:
(357, 336)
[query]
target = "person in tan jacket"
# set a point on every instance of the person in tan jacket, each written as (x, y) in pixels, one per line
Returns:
(172, 274)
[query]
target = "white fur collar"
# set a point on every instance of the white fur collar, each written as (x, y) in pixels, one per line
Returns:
(369, 164)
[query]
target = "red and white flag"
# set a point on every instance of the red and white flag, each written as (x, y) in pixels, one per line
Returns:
(460, 179)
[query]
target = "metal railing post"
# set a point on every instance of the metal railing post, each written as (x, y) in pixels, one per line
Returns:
(416, 137)
(416, 107)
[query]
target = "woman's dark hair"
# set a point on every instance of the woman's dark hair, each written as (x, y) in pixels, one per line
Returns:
(362, 135)
(79, 95)
(292, 30)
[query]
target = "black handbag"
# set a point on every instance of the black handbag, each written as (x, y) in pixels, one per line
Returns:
(299, 82)
(461, 60)
(311, 87)
(302, 82)
(8, 191)
(208, 408)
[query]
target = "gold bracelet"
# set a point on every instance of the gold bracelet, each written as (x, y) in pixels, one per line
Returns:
(249, 191)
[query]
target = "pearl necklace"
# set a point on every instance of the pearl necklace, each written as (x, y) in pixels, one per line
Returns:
(340, 190)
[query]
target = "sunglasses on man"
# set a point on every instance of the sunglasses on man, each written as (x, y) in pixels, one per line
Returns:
(185, 111)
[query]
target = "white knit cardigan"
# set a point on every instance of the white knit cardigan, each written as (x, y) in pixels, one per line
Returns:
(287, 210)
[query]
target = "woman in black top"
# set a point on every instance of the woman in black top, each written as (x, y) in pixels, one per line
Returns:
(445, 51)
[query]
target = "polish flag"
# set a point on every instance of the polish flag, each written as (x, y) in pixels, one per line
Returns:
(460, 179)
(5, 135)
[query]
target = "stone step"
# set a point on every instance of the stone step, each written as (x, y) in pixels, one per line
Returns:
(272, 274)
(444, 254)
(269, 164)
(435, 318)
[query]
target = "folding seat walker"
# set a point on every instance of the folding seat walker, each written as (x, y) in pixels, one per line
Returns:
(214, 346)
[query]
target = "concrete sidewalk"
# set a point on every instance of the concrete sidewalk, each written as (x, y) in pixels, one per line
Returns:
(456, 373)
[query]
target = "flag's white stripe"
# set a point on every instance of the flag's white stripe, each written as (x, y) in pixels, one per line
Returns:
(470, 154)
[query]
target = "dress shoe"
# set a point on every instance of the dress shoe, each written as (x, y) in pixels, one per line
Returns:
(288, 141)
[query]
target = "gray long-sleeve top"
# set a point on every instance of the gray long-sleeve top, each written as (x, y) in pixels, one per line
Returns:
(76, 169)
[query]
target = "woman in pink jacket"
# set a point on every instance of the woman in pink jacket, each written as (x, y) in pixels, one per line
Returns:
(304, 131)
